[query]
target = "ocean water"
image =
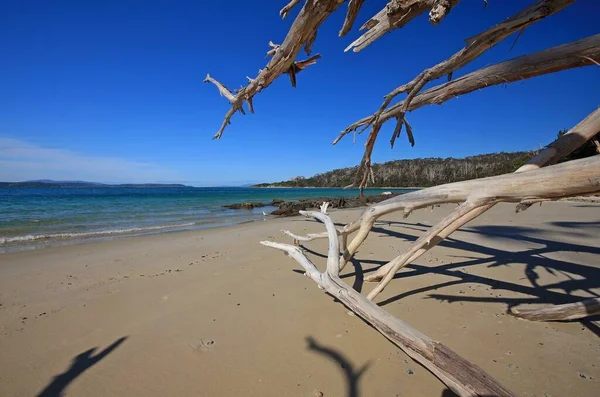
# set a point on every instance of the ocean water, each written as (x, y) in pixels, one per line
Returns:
(32, 218)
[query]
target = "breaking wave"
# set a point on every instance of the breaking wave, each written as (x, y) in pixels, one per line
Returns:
(99, 233)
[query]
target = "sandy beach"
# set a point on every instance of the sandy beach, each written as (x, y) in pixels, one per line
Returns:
(213, 313)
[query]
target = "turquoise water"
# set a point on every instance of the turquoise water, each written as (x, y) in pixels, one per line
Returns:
(36, 217)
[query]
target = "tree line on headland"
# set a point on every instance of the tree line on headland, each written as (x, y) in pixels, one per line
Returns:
(425, 172)
(420, 172)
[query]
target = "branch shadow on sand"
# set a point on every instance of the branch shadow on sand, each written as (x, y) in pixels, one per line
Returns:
(537, 256)
(79, 365)
(351, 374)
(535, 251)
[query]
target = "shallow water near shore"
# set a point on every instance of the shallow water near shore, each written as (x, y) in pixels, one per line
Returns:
(37, 217)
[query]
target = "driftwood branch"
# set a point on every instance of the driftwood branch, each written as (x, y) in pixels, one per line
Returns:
(301, 34)
(474, 48)
(568, 179)
(565, 144)
(569, 311)
(396, 14)
(299, 66)
(351, 14)
(461, 376)
(285, 10)
(567, 56)
(552, 60)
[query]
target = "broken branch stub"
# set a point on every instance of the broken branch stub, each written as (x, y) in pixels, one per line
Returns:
(396, 14)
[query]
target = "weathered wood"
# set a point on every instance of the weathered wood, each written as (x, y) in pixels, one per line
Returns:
(569, 311)
(301, 34)
(351, 14)
(528, 185)
(474, 48)
(568, 179)
(579, 53)
(562, 146)
(461, 376)
(396, 14)
(285, 10)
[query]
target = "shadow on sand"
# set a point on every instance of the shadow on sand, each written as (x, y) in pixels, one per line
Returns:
(533, 248)
(79, 365)
(351, 374)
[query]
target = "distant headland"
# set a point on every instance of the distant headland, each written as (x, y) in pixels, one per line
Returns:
(48, 183)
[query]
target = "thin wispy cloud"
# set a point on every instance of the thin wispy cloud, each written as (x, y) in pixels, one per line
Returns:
(20, 160)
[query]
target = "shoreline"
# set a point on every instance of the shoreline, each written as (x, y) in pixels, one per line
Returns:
(336, 187)
(184, 313)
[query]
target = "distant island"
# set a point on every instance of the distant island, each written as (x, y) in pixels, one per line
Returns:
(48, 183)
(421, 172)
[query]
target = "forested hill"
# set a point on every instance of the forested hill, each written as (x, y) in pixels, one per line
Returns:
(420, 172)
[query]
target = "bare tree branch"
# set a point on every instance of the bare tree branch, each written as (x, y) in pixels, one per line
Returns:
(565, 144)
(461, 376)
(285, 10)
(552, 60)
(301, 34)
(351, 14)
(474, 48)
(398, 13)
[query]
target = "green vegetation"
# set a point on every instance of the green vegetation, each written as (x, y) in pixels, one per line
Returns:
(421, 172)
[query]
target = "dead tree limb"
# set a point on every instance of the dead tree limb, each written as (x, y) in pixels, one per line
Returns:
(579, 53)
(569, 311)
(461, 376)
(285, 10)
(396, 14)
(568, 179)
(351, 14)
(565, 144)
(562, 146)
(474, 48)
(301, 34)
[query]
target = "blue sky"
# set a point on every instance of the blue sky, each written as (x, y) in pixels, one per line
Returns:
(112, 90)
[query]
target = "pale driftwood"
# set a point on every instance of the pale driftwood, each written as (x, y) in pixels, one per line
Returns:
(396, 14)
(285, 10)
(303, 33)
(572, 55)
(461, 376)
(353, 9)
(569, 311)
(562, 146)
(563, 180)
(575, 178)
(474, 48)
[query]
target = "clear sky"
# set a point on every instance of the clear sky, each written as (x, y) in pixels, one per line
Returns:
(111, 90)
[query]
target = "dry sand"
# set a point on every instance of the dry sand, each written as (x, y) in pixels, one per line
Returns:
(213, 313)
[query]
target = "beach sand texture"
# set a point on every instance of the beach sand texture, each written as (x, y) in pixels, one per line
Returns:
(214, 313)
